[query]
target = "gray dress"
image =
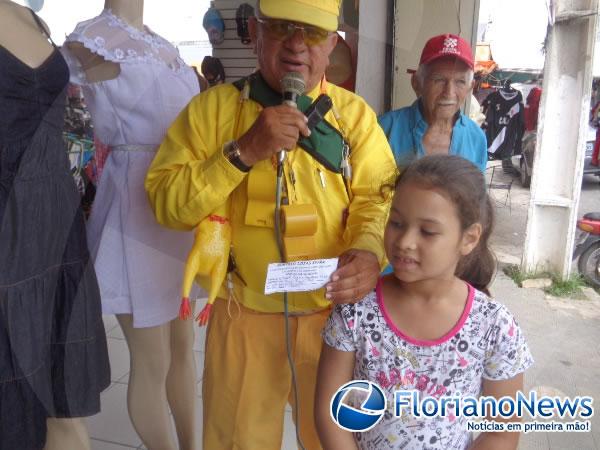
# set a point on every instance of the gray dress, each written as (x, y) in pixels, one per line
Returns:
(53, 354)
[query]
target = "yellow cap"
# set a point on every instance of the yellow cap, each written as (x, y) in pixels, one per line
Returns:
(320, 13)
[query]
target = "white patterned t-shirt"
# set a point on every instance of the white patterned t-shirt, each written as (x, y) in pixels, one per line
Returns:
(486, 342)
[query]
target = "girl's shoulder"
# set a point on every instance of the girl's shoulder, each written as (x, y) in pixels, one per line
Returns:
(499, 334)
(347, 322)
(490, 311)
(357, 313)
(365, 303)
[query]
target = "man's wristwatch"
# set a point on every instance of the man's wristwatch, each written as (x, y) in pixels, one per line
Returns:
(231, 150)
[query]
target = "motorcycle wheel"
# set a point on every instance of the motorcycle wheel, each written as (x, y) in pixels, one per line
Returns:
(589, 264)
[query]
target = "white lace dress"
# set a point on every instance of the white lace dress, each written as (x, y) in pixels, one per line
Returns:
(139, 263)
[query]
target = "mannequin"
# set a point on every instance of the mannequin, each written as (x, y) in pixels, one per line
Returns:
(95, 66)
(28, 49)
(162, 375)
(20, 35)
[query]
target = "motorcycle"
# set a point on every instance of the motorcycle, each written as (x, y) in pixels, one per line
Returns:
(587, 248)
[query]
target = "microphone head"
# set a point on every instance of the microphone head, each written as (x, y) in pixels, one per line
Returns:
(292, 85)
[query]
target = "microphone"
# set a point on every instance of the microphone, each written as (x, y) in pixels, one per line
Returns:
(292, 86)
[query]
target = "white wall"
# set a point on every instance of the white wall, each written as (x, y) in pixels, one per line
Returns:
(371, 64)
(414, 23)
(237, 58)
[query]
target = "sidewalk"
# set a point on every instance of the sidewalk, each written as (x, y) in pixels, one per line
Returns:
(563, 335)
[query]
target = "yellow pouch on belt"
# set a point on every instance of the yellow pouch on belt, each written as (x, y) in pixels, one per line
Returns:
(298, 221)
(261, 198)
(299, 226)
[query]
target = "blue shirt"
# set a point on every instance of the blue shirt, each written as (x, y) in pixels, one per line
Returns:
(406, 127)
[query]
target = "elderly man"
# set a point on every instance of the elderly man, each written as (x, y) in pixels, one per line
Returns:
(224, 146)
(434, 123)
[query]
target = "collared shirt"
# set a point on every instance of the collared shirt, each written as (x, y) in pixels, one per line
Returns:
(406, 127)
(190, 177)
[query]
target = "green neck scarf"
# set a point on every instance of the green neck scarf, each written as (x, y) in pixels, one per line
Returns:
(325, 142)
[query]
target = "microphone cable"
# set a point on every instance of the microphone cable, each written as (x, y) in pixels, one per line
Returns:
(289, 78)
(286, 315)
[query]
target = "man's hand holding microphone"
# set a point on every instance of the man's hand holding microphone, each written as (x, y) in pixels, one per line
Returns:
(277, 127)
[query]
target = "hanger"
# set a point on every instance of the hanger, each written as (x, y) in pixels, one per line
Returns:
(507, 86)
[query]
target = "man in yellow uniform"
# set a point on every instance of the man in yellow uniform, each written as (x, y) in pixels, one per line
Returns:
(224, 146)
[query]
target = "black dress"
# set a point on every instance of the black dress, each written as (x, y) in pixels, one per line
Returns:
(53, 354)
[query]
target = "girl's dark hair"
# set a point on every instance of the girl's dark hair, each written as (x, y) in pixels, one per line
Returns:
(464, 184)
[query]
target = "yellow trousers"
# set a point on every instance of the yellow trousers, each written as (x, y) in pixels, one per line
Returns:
(247, 379)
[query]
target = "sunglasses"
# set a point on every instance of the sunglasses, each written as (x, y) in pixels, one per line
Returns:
(282, 30)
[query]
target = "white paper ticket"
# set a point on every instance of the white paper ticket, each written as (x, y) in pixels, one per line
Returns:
(299, 276)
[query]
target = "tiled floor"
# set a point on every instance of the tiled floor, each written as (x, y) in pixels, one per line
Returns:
(111, 429)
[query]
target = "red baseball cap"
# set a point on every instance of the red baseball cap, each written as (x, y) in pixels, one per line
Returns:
(446, 45)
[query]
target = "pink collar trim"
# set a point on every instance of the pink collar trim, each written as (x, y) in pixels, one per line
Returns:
(426, 343)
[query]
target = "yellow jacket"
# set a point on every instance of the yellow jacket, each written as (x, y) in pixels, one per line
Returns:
(190, 177)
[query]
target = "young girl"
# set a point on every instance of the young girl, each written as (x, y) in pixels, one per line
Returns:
(428, 326)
